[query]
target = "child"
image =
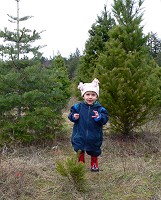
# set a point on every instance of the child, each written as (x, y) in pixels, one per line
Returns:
(88, 117)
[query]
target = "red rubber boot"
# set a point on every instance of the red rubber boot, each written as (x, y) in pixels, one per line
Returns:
(94, 164)
(81, 157)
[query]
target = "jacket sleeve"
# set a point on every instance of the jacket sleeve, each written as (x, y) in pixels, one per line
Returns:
(73, 110)
(103, 116)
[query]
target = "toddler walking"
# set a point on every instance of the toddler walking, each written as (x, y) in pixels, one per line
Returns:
(88, 116)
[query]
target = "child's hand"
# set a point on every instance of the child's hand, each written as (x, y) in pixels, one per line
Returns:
(76, 116)
(96, 114)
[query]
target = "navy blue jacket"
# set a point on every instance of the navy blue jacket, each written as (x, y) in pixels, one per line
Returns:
(87, 131)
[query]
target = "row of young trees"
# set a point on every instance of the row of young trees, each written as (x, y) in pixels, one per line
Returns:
(33, 93)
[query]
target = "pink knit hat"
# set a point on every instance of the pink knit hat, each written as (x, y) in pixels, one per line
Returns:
(89, 87)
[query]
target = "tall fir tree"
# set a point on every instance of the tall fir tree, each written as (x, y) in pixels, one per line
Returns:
(130, 83)
(95, 45)
(32, 96)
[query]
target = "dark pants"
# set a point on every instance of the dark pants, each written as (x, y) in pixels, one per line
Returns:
(92, 153)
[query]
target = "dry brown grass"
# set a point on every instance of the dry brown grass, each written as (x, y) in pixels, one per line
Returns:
(129, 170)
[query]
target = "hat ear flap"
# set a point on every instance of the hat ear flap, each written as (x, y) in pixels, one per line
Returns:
(80, 86)
(95, 82)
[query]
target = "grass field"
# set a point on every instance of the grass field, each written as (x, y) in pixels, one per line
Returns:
(129, 170)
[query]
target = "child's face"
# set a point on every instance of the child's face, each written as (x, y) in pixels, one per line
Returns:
(90, 97)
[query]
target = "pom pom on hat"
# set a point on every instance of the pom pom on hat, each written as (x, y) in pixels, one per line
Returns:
(89, 87)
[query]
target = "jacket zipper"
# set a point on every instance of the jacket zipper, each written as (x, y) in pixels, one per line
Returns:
(87, 126)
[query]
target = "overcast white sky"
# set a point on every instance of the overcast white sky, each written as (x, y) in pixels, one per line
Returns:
(67, 21)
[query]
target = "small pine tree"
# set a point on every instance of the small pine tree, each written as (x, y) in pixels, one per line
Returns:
(44, 93)
(73, 170)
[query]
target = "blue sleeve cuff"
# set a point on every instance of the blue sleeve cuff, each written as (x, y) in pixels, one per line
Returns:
(98, 119)
(73, 118)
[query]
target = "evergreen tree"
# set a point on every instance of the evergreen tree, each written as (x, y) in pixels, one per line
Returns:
(32, 96)
(129, 77)
(158, 59)
(95, 45)
(43, 93)
(72, 63)
(62, 77)
(154, 44)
